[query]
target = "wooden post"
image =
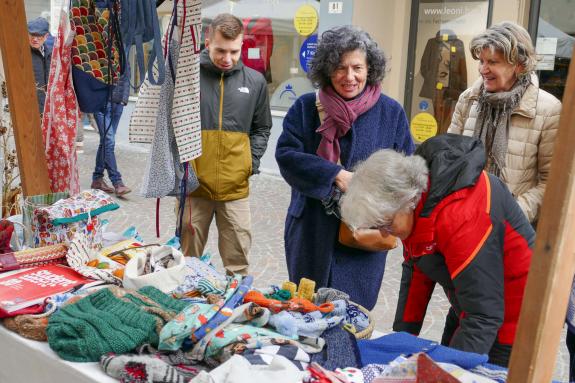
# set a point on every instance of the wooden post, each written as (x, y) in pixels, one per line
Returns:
(553, 263)
(22, 98)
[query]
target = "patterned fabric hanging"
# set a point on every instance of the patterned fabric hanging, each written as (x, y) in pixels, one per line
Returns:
(164, 170)
(61, 115)
(185, 112)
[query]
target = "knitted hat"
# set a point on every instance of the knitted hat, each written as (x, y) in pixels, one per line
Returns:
(109, 320)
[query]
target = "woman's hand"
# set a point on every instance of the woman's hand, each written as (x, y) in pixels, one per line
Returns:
(342, 179)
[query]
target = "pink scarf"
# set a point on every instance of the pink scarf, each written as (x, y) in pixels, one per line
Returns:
(340, 115)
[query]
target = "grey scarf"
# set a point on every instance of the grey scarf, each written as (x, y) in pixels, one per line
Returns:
(494, 113)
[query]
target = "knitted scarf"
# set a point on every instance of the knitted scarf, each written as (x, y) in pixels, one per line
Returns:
(494, 114)
(340, 115)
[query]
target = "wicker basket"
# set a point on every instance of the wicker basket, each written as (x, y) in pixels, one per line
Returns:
(365, 334)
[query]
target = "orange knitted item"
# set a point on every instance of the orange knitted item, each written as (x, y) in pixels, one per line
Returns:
(294, 304)
(307, 306)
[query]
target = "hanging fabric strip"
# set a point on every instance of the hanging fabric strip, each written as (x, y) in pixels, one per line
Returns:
(60, 116)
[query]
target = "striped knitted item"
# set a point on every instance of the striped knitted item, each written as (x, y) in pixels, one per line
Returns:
(205, 286)
(110, 320)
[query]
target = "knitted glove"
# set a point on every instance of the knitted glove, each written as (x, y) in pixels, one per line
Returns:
(131, 368)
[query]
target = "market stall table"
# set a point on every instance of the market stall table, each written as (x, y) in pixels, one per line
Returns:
(27, 361)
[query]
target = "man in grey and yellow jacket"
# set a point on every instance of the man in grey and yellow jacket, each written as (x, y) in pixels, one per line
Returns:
(236, 123)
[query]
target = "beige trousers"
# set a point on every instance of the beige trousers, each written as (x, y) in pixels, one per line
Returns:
(233, 221)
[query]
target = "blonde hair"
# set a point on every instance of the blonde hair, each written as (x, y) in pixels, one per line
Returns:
(510, 39)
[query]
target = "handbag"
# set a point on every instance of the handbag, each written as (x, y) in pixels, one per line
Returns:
(59, 222)
(162, 267)
(364, 239)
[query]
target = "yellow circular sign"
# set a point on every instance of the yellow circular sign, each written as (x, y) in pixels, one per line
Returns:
(305, 20)
(423, 126)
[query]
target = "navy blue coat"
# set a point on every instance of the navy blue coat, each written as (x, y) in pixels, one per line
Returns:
(41, 67)
(311, 244)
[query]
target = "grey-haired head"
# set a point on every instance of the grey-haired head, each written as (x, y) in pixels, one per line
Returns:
(337, 41)
(385, 184)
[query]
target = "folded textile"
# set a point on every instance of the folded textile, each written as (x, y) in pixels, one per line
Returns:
(310, 324)
(110, 320)
(196, 271)
(351, 312)
(178, 359)
(232, 298)
(239, 370)
(340, 350)
(491, 371)
(223, 337)
(408, 370)
(388, 347)
(200, 318)
(328, 294)
(265, 355)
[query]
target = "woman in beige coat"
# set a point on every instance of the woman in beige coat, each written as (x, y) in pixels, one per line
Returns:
(514, 118)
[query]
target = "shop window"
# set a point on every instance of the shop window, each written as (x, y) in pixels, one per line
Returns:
(272, 46)
(440, 66)
(554, 44)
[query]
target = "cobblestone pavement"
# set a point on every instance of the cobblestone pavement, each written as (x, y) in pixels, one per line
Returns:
(269, 202)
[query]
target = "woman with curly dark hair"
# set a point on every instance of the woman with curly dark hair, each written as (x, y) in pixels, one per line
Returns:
(324, 135)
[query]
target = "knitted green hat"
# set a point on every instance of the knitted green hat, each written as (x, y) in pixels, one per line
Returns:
(103, 322)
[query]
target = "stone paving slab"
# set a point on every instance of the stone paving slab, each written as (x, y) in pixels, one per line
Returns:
(269, 200)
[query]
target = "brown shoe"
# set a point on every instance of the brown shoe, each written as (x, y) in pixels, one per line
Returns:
(122, 189)
(102, 185)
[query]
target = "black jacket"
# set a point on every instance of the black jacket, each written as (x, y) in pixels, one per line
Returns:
(41, 68)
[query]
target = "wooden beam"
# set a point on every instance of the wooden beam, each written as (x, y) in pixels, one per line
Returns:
(553, 263)
(22, 98)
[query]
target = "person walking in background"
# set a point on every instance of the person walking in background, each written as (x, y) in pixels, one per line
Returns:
(236, 122)
(323, 138)
(107, 121)
(515, 119)
(38, 32)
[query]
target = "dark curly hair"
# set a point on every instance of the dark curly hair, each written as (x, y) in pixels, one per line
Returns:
(339, 40)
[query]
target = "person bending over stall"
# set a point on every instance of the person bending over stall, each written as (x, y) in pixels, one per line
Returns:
(460, 227)
(317, 150)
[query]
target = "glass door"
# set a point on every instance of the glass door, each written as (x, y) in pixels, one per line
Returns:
(554, 43)
(440, 66)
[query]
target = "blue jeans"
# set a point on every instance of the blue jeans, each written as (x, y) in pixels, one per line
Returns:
(108, 119)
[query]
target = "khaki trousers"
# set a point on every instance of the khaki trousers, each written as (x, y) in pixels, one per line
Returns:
(233, 221)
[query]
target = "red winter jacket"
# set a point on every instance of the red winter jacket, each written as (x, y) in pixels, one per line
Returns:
(471, 237)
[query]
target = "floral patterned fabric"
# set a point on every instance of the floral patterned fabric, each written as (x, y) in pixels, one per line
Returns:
(61, 115)
(78, 214)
